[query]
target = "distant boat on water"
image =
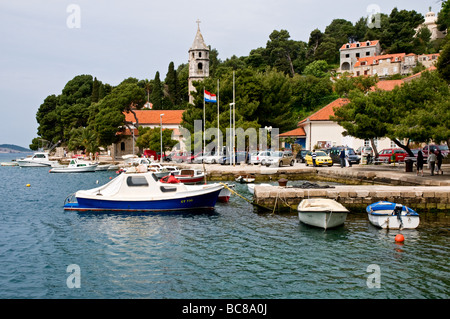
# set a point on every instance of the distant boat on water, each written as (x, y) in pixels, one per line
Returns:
(38, 159)
(75, 166)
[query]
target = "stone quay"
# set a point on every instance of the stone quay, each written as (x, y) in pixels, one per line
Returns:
(364, 185)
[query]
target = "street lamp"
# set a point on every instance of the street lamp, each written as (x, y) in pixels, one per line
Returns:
(160, 124)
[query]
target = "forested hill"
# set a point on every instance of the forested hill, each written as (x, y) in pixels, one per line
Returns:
(11, 148)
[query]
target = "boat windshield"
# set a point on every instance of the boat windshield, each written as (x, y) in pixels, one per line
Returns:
(137, 181)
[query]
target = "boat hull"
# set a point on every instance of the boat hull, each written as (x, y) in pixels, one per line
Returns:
(34, 164)
(190, 179)
(201, 201)
(381, 214)
(224, 195)
(85, 169)
(323, 219)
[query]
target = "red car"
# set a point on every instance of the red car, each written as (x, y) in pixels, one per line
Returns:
(387, 153)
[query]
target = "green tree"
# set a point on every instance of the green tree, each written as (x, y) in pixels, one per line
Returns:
(150, 138)
(156, 97)
(443, 64)
(110, 116)
(84, 139)
(318, 68)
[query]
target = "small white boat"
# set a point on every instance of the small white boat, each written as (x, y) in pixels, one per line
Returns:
(143, 192)
(75, 166)
(390, 215)
(245, 179)
(322, 212)
(9, 164)
(190, 176)
(251, 187)
(39, 159)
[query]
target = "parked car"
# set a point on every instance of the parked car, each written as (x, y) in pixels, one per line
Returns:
(254, 158)
(182, 157)
(300, 157)
(322, 159)
(387, 154)
(198, 159)
(335, 151)
(240, 156)
(434, 148)
(213, 158)
(260, 158)
(366, 150)
(280, 158)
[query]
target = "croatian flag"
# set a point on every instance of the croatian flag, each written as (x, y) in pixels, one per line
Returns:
(209, 97)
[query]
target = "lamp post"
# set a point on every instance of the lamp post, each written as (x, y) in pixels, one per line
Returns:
(160, 124)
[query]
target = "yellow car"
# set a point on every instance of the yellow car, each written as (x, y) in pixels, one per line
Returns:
(322, 159)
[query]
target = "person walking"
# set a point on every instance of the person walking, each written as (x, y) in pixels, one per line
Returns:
(439, 158)
(431, 162)
(313, 155)
(342, 158)
(419, 163)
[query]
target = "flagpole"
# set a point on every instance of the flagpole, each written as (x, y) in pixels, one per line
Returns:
(234, 122)
(218, 140)
(204, 123)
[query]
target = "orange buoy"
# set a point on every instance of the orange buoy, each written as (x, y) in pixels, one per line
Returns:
(399, 238)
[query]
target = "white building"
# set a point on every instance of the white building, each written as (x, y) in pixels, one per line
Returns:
(430, 23)
(321, 132)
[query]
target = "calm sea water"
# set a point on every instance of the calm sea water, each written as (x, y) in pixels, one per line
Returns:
(231, 252)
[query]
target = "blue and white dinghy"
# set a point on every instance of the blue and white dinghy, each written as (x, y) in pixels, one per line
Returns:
(392, 215)
(143, 192)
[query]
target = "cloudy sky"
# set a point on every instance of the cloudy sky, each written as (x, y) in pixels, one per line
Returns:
(44, 44)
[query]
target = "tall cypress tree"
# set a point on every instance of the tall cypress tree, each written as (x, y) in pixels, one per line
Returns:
(172, 85)
(157, 95)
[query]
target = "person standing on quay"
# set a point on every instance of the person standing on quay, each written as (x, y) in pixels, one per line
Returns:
(342, 158)
(439, 158)
(431, 162)
(313, 155)
(419, 163)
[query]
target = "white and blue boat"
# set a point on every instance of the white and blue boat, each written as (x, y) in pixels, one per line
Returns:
(143, 192)
(391, 215)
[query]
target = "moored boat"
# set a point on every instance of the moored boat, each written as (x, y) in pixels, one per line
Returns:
(245, 179)
(391, 215)
(190, 176)
(38, 159)
(75, 166)
(144, 192)
(225, 193)
(322, 212)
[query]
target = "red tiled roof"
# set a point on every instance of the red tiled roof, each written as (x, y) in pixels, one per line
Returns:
(373, 60)
(296, 132)
(149, 117)
(361, 44)
(324, 113)
(387, 85)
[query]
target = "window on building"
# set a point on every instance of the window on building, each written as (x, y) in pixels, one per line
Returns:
(122, 146)
(368, 53)
(200, 66)
(357, 55)
(199, 54)
(347, 55)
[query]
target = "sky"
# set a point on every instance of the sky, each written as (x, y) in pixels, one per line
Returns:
(44, 44)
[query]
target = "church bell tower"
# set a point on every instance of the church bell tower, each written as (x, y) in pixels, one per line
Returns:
(198, 61)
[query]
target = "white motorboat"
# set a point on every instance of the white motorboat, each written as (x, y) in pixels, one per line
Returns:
(75, 166)
(143, 192)
(251, 187)
(38, 159)
(390, 215)
(322, 212)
